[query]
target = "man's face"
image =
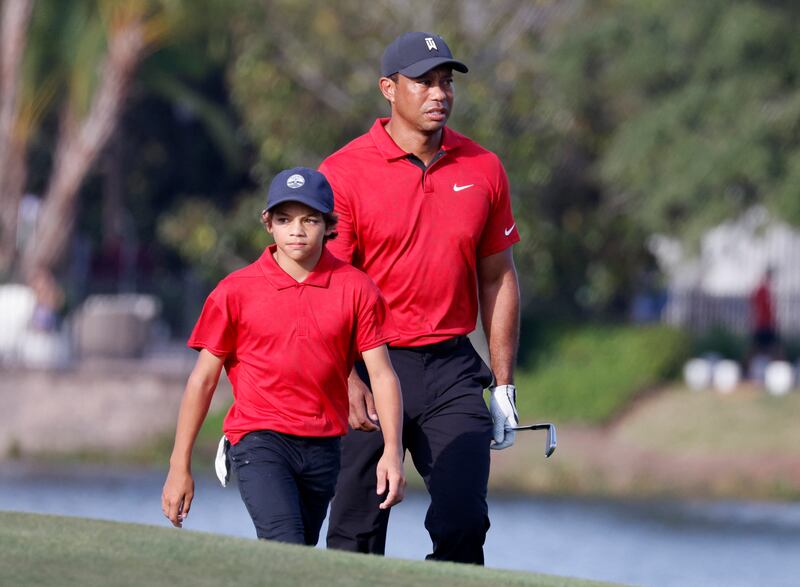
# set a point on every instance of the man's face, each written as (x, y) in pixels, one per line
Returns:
(298, 230)
(424, 102)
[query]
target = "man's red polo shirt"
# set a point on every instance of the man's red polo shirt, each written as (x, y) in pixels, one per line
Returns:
(290, 346)
(418, 234)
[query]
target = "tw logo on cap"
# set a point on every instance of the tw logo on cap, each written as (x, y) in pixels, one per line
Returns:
(431, 44)
(295, 181)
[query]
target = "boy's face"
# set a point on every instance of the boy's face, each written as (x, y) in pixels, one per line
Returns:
(298, 230)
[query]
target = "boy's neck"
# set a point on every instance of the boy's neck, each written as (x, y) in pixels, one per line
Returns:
(298, 270)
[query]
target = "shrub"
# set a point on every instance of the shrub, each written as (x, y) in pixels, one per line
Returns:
(587, 374)
(720, 341)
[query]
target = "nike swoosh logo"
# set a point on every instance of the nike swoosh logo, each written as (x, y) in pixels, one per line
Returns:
(508, 230)
(458, 188)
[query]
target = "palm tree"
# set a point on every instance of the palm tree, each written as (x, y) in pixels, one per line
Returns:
(79, 59)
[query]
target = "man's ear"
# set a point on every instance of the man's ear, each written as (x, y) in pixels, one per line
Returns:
(387, 87)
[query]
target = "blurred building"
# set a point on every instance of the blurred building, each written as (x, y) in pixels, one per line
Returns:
(711, 287)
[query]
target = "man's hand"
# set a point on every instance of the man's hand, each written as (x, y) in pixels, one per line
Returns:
(363, 415)
(390, 472)
(176, 499)
(503, 406)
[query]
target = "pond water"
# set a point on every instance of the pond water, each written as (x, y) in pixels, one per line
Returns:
(653, 543)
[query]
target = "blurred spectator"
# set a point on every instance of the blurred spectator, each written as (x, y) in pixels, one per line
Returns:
(764, 326)
(49, 301)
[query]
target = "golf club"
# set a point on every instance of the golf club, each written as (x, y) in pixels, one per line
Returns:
(550, 441)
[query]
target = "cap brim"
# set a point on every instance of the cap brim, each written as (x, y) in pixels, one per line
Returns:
(424, 66)
(290, 197)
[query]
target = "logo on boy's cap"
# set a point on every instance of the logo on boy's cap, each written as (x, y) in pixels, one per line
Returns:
(301, 184)
(431, 44)
(295, 181)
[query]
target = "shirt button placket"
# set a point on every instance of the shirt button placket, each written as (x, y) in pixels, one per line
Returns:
(302, 320)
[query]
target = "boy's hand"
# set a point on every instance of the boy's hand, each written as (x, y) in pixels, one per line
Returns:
(362, 405)
(390, 472)
(176, 499)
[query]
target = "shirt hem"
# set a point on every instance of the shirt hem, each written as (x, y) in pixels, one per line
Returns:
(240, 434)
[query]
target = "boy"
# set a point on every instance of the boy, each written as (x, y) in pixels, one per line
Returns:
(287, 329)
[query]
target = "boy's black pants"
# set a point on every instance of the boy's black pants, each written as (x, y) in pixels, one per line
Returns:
(286, 483)
(446, 429)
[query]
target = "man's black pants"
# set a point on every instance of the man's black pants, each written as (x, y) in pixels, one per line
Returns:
(446, 429)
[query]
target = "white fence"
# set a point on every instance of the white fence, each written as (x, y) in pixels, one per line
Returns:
(699, 311)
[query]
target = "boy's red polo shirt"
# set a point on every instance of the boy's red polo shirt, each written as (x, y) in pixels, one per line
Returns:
(290, 346)
(418, 234)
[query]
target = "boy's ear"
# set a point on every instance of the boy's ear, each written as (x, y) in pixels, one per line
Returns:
(266, 220)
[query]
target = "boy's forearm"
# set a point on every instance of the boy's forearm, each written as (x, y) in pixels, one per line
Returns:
(389, 405)
(194, 408)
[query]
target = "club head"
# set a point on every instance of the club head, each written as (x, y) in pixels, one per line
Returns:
(550, 441)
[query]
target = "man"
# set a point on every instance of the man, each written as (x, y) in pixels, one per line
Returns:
(426, 213)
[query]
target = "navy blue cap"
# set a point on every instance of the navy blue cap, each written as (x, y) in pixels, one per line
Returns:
(301, 184)
(413, 54)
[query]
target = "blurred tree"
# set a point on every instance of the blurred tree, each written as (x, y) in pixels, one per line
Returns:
(75, 64)
(305, 78)
(178, 140)
(690, 111)
(14, 20)
(615, 119)
(116, 36)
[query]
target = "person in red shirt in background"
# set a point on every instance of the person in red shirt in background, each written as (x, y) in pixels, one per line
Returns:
(287, 329)
(426, 213)
(765, 331)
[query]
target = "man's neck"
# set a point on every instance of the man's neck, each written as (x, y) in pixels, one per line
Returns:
(424, 146)
(299, 271)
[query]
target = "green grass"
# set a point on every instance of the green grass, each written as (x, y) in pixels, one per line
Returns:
(38, 550)
(747, 423)
(676, 444)
(588, 374)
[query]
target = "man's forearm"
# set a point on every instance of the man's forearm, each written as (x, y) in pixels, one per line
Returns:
(500, 316)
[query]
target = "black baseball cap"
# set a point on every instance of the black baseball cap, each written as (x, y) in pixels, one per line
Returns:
(413, 54)
(301, 184)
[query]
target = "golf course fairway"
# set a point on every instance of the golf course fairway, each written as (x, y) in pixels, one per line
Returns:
(55, 551)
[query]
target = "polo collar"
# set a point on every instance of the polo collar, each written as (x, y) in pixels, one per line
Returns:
(319, 277)
(389, 149)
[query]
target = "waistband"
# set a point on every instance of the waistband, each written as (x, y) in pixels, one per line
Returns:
(437, 347)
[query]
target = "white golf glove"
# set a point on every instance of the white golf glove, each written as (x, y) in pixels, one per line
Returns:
(503, 406)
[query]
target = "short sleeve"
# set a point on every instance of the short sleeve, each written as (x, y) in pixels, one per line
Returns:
(374, 324)
(344, 245)
(215, 330)
(500, 230)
